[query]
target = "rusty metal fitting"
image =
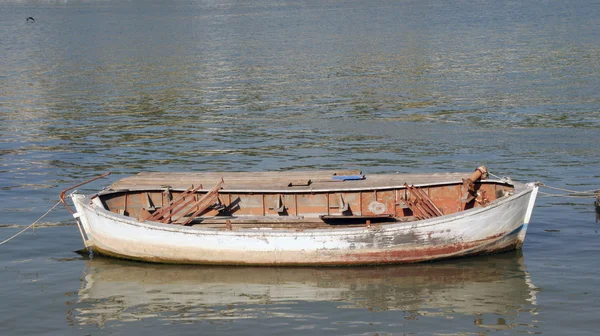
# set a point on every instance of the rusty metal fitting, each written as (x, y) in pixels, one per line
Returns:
(469, 184)
(484, 172)
(480, 173)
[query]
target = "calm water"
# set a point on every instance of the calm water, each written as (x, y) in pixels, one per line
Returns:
(383, 86)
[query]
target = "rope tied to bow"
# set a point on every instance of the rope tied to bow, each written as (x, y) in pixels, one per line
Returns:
(32, 224)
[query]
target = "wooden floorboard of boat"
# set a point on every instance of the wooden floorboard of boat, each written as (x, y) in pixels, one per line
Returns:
(320, 180)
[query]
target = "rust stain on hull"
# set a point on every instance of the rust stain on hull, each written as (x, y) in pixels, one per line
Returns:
(486, 246)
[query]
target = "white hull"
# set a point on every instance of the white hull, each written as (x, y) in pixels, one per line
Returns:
(499, 226)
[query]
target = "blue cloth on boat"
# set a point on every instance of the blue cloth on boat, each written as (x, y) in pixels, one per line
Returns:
(348, 177)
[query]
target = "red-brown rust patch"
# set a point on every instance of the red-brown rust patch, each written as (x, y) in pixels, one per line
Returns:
(422, 254)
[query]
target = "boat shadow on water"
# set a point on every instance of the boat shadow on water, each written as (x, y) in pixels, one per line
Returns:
(117, 291)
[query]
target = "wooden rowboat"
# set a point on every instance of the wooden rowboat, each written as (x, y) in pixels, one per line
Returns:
(304, 218)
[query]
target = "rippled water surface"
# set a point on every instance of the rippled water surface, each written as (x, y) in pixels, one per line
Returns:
(382, 86)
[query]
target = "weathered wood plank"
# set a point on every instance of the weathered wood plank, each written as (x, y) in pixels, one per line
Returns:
(276, 180)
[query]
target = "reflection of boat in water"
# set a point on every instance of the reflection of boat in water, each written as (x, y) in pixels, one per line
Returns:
(115, 290)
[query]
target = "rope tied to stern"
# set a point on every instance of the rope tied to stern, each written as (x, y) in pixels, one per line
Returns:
(589, 194)
(569, 193)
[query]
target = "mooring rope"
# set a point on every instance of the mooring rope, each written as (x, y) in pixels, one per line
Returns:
(590, 192)
(496, 176)
(569, 193)
(32, 224)
(545, 194)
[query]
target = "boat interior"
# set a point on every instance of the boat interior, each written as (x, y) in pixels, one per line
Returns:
(297, 200)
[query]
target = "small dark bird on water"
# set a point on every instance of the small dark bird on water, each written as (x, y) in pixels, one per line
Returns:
(30, 19)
